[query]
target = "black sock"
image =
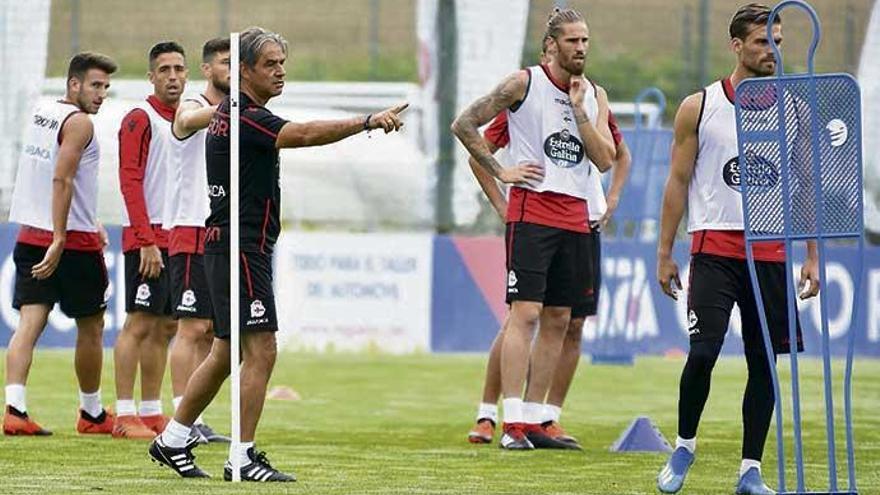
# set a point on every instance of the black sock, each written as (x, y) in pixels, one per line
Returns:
(694, 386)
(757, 405)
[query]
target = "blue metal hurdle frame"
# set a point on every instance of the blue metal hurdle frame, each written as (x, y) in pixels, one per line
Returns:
(643, 142)
(821, 225)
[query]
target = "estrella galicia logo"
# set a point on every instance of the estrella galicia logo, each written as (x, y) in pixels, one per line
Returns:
(563, 149)
(762, 173)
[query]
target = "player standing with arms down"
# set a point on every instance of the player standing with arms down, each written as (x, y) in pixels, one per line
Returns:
(549, 109)
(59, 252)
(704, 176)
(263, 134)
(185, 213)
(144, 140)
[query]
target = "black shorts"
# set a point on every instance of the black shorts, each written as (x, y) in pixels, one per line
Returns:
(589, 304)
(146, 295)
(716, 282)
(189, 287)
(546, 264)
(257, 301)
(79, 283)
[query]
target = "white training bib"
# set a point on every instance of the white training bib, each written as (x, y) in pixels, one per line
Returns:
(32, 196)
(186, 196)
(543, 131)
(714, 193)
(156, 172)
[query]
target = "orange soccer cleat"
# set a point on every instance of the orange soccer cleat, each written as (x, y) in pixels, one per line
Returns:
(16, 422)
(155, 422)
(87, 425)
(131, 427)
(482, 432)
(554, 430)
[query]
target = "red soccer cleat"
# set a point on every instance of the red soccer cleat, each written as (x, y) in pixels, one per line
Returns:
(155, 422)
(131, 427)
(87, 425)
(16, 422)
(555, 431)
(482, 432)
(514, 437)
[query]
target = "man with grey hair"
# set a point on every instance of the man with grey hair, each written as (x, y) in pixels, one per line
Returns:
(262, 134)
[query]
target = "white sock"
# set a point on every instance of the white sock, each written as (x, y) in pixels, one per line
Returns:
(15, 397)
(513, 410)
(175, 434)
(242, 453)
(150, 407)
(125, 407)
(552, 413)
(533, 412)
(91, 403)
(488, 411)
(748, 464)
(689, 443)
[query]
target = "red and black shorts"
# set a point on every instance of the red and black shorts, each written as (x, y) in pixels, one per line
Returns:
(151, 295)
(257, 298)
(588, 305)
(717, 282)
(547, 264)
(79, 283)
(189, 287)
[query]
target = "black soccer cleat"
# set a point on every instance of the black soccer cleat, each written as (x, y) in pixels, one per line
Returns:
(181, 460)
(259, 469)
(541, 440)
(206, 434)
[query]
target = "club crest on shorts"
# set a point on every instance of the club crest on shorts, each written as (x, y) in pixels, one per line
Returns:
(511, 282)
(187, 301)
(143, 295)
(692, 323)
(257, 309)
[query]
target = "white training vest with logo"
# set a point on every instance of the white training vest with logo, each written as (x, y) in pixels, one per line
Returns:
(32, 196)
(187, 190)
(157, 166)
(714, 193)
(543, 131)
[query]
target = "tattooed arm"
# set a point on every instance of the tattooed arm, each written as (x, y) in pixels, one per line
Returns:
(466, 128)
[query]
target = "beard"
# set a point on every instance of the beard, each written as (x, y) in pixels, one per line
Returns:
(222, 84)
(763, 69)
(573, 66)
(85, 104)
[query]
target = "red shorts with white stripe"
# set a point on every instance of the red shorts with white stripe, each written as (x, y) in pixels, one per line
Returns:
(189, 287)
(257, 298)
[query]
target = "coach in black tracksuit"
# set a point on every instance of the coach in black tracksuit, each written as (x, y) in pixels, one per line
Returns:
(262, 134)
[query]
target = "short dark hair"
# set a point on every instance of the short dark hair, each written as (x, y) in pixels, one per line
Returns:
(748, 16)
(82, 62)
(252, 41)
(164, 47)
(213, 47)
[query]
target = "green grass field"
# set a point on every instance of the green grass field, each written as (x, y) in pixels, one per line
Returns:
(381, 424)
